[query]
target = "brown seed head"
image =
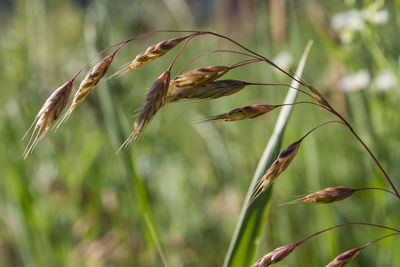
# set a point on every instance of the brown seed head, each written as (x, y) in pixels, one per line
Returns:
(344, 258)
(195, 78)
(242, 113)
(277, 167)
(154, 51)
(155, 99)
(327, 195)
(280, 164)
(275, 256)
(317, 96)
(49, 112)
(91, 80)
(208, 91)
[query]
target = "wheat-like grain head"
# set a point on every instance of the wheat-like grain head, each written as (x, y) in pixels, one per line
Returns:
(327, 195)
(199, 76)
(211, 90)
(151, 53)
(278, 166)
(242, 113)
(88, 83)
(49, 112)
(155, 99)
(344, 258)
(275, 256)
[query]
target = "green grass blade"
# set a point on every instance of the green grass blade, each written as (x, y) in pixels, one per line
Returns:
(117, 137)
(243, 246)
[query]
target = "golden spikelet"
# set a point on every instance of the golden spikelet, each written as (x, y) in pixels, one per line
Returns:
(344, 258)
(242, 113)
(275, 256)
(152, 52)
(155, 99)
(327, 195)
(198, 77)
(211, 90)
(317, 95)
(88, 84)
(278, 166)
(49, 112)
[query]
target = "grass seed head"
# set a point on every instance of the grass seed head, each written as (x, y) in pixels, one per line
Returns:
(49, 112)
(88, 83)
(317, 96)
(152, 52)
(242, 113)
(155, 99)
(327, 195)
(275, 256)
(211, 90)
(278, 166)
(344, 258)
(195, 78)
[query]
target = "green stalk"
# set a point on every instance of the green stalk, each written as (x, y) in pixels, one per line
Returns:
(243, 247)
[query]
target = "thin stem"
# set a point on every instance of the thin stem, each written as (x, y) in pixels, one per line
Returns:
(376, 188)
(300, 90)
(303, 102)
(316, 127)
(369, 152)
(345, 224)
(256, 54)
(243, 63)
(211, 52)
(190, 37)
(122, 43)
(376, 240)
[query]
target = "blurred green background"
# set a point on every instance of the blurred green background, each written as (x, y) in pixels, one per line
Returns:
(74, 202)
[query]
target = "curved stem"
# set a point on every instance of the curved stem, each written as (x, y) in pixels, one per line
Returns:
(256, 54)
(303, 102)
(283, 84)
(344, 224)
(376, 188)
(190, 37)
(376, 240)
(369, 152)
(211, 52)
(243, 63)
(316, 127)
(122, 43)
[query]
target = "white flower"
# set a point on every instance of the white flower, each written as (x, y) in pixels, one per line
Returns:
(350, 19)
(377, 17)
(384, 81)
(355, 81)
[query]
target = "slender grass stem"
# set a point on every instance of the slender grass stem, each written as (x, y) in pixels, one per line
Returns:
(376, 188)
(345, 224)
(369, 152)
(378, 239)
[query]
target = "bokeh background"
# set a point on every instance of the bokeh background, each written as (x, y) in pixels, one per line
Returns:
(75, 202)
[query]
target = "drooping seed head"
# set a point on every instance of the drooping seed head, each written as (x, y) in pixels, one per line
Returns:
(193, 79)
(275, 256)
(155, 99)
(317, 96)
(344, 258)
(91, 80)
(242, 113)
(154, 51)
(49, 112)
(151, 53)
(208, 91)
(88, 83)
(277, 167)
(327, 195)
